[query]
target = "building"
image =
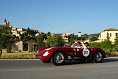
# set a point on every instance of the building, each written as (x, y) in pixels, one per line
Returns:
(6, 23)
(79, 34)
(65, 39)
(66, 34)
(39, 33)
(18, 46)
(112, 33)
(24, 47)
(21, 30)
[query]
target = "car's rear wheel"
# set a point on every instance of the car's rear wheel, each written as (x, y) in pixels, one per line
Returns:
(98, 57)
(58, 58)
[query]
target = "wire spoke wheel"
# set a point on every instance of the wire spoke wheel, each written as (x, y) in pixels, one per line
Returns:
(58, 58)
(98, 57)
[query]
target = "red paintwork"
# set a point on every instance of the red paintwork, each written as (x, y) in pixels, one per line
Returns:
(66, 50)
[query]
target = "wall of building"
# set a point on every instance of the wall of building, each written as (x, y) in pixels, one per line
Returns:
(112, 35)
(18, 47)
(79, 34)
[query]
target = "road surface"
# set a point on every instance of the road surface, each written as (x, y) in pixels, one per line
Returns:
(35, 69)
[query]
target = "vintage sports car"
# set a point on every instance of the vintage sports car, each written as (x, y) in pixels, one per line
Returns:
(58, 55)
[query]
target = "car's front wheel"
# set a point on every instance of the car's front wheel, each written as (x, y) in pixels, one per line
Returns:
(98, 57)
(58, 58)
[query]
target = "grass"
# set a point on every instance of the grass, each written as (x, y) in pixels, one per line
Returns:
(114, 54)
(18, 55)
(31, 55)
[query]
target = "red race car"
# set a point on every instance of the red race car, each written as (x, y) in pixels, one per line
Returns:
(58, 55)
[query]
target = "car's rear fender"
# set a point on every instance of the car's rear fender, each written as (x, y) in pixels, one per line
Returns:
(98, 50)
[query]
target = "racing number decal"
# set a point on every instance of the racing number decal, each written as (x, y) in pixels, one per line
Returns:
(86, 52)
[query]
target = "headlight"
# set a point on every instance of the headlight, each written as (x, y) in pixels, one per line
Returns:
(46, 53)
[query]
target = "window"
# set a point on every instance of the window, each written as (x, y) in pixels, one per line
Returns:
(110, 35)
(116, 34)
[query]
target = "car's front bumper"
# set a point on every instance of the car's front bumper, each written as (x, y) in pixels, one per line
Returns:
(43, 56)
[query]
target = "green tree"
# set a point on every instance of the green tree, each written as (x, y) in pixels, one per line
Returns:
(31, 32)
(116, 44)
(107, 46)
(48, 34)
(80, 38)
(55, 41)
(71, 39)
(94, 44)
(108, 36)
(85, 36)
(29, 35)
(45, 36)
(93, 38)
(25, 37)
(7, 40)
(40, 42)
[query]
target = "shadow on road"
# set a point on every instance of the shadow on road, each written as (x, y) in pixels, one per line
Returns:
(37, 63)
(71, 62)
(106, 60)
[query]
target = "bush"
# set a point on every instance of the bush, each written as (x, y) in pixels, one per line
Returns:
(19, 55)
(94, 44)
(116, 44)
(106, 45)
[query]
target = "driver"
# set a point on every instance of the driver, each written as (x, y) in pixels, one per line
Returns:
(76, 45)
(86, 45)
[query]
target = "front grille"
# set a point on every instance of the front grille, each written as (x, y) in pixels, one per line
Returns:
(38, 56)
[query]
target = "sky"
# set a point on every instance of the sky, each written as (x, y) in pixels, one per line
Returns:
(61, 16)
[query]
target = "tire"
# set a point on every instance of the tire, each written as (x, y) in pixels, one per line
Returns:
(46, 61)
(58, 58)
(98, 57)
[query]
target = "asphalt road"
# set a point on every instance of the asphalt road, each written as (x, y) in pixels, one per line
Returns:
(35, 69)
